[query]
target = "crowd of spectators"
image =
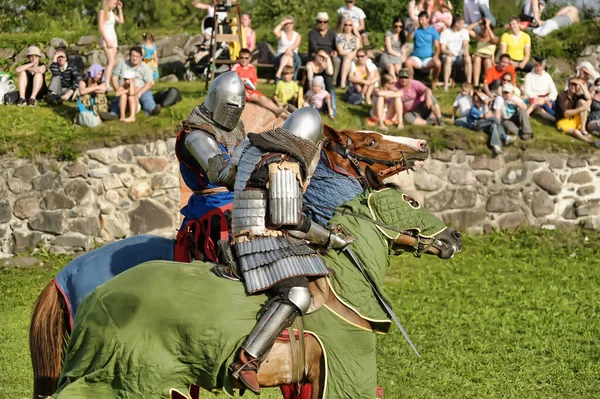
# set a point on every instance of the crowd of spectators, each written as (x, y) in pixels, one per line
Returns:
(504, 85)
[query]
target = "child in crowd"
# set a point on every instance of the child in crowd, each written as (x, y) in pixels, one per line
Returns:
(462, 104)
(287, 92)
(127, 98)
(481, 118)
(317, 97)
(150, 55)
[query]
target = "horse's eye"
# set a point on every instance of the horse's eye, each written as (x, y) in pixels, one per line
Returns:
(372, 143)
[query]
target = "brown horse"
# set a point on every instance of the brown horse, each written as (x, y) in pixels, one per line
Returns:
(368, 156)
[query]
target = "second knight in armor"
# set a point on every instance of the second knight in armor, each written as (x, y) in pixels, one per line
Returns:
(270, 234)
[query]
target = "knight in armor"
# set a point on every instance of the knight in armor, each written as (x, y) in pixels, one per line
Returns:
(204, 147)
(270, 235)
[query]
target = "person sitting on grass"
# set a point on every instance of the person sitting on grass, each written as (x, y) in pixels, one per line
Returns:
(364, 75)
(462, 106)
(32, 85)
(593, 121)
(143, 81)
(517, 44)
(247, 73)
(493, 76)
(480, 118)
(572, 107)
(426, 53)
(288, 94)
(418, 103)
(65, 79)
(126, 95)
(93, 85)
(541, 91)
(512, 112)
(387, 104)
(319, 98)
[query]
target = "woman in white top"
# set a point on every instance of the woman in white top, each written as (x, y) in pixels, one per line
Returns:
(106, 24)
(287, 46)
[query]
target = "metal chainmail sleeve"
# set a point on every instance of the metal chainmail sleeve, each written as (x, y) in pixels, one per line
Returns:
(307, 150)
(229, 139)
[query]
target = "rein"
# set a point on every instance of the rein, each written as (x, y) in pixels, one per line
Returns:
(354, 158)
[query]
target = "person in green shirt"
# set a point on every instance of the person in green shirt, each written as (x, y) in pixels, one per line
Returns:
(287, 92)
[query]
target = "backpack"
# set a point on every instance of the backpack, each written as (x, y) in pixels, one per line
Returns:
(6, 86)
(168, 97)
(87, 116)
(10, 98)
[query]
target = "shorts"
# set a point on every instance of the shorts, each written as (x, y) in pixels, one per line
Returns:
(420, 113)
(458, 62)
(421, 63)
(29, 90)
(566, 124)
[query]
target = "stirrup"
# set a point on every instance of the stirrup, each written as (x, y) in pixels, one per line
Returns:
(225, 271)
(237, 366)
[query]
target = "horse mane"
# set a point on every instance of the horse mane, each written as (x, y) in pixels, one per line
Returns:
(48, 332)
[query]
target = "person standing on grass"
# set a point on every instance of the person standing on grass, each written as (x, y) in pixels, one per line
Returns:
(106, 24)
(65, 79)
(143, 82)
(32, 85)
(455, 50)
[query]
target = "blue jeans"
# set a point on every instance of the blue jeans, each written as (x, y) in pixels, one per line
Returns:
(146, 100)
(492, 127)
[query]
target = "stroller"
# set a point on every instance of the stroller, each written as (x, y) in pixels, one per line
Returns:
(198, 63)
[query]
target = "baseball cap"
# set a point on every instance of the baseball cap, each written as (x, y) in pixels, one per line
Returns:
(404, 73)
(128, 74)
(322, 16)
(508, 88)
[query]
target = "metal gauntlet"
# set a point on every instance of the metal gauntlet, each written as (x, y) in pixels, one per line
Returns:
(205, 149)
(321, 236)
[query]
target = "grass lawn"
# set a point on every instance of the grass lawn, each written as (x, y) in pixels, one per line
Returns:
(28, 132)
(513, 316)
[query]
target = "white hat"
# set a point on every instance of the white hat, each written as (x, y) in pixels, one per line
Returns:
(322, 16)
(508, 88)
(128, 74)
(318, 81)
(34, 50)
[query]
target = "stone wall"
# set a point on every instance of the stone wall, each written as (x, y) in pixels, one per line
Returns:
(106, 194)
(478, 193)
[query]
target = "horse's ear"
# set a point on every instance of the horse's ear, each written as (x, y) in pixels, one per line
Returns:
(331, 133)
(373, 179)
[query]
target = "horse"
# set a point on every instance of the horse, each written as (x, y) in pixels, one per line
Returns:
(353, 161)
(160, 330)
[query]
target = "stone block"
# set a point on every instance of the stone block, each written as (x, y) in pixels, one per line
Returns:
(20, 262)
(513, 221)
(114, 227)
(153, 164)
(23, 240)
(111, 182)
(49, 222)
(7, 53)
(171, 78)
(18, 186)
(96, 57)
(164, 181)
(140, 189)
(88, 40)
(47, 181)
(77, 170)
(77, 190)
(540, 203)
(74, 241)
(444, 155)
(149, 216)
(556, 162)
(461, 176)
(586, 190)
(548, 182)
(594, 160)
(57, 42)
(98, 173)
(590, 208)
(502, 202)
(583, 177)
(89, 226)
(515, 173)
(190, 45)
(26, 207)
(459, 156)
(576, 163)
(482, 162)
(26, 172)
(106, 156)
(126, 155)
(57, 200)
(451, 199)
(462, 220)
(427, 182)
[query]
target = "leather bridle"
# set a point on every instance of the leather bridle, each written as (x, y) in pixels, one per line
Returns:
(355, 159)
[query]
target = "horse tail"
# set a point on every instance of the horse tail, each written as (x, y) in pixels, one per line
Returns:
(48, 333)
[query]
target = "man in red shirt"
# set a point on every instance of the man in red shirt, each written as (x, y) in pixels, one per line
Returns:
(248, 75)
(493, 76)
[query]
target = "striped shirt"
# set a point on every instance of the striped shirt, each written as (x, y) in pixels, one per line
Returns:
(69, 78)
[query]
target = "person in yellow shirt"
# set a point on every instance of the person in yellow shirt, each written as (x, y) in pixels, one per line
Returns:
(287, 92)
(517, 44)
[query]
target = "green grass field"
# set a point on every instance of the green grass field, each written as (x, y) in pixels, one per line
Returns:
(512, 316)
(44, 130)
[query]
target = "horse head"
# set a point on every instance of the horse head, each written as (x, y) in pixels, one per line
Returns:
(370, 156)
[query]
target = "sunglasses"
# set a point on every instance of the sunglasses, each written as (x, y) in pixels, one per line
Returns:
(361, 55)
(398, 26)
(322, 22)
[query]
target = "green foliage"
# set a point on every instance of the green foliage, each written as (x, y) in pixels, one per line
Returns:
(515, 315)
(568, 43)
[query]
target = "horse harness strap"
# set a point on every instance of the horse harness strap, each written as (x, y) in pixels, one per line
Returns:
(379, 296)
(355, 158)
(298, 354)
